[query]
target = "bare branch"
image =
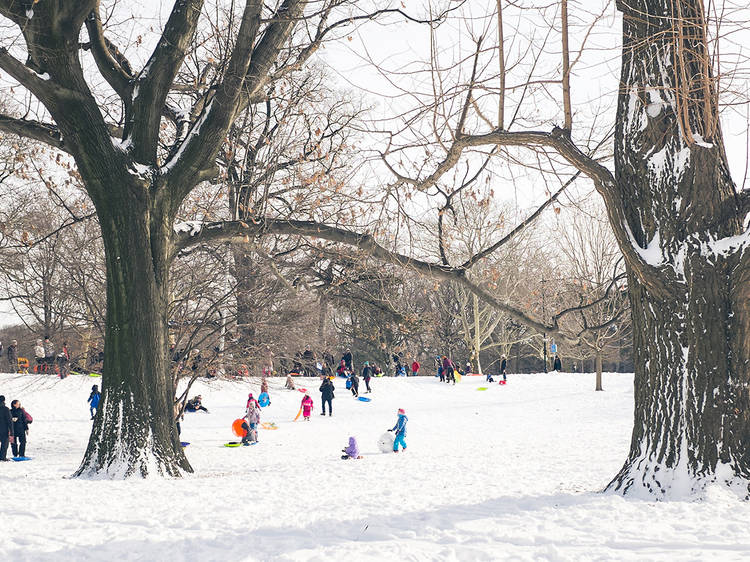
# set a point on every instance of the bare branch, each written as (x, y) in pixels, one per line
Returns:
(46, 133)
(239, 232)
(155, 80)
(110, 62)
(520, 227)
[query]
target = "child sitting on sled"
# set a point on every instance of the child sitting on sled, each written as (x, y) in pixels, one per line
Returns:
(352, 451)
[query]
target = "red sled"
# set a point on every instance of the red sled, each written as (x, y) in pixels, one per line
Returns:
(501, 382)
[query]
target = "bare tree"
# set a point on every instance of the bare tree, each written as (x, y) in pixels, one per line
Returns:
(594, 273)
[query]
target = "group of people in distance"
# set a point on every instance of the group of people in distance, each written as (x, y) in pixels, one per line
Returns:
(44, 354)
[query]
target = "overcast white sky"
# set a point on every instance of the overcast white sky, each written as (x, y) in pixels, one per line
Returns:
(396, 47)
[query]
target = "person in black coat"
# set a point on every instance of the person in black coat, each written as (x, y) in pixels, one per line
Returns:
(367, 375)
(557, 366)
(355, 385)
(326, 394)
(6, 429)
(20, 428)
(348, 359)
(503, 366)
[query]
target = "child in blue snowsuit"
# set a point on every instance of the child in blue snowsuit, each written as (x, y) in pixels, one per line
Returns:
(400, 429)
(94, 400)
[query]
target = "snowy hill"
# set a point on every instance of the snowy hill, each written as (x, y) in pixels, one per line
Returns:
(510, 472)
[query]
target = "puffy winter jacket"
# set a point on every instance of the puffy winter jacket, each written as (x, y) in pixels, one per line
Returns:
(20, 425)
(253, 413)
(353, 449)
(326, 390)
(400, 427)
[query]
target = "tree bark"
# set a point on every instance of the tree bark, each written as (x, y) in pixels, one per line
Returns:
(691, 304)
(248, 310)
(131, 434)
(599, 370)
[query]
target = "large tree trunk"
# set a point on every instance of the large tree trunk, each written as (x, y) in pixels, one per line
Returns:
(134, 431)
(599, 370)
(691, 304)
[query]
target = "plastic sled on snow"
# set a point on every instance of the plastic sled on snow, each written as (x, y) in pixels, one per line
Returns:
(184, 443)
(19, 459)
(269, 425)
(264, 400)
(482, 388)
(501, 382)
(364, 399)
(237, 428)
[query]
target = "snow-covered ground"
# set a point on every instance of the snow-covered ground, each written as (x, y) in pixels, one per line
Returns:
(514, 472)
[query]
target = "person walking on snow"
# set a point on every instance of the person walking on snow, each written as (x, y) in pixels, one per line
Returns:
(557, 365)
(367, 375)
(503, 367)
(400, 429)
(355, 384)
(253, 419)
(251, 399)
(93, 400)
(20, 428)
(326, 394)
(352, 451)
(448, 369)
(307, 407)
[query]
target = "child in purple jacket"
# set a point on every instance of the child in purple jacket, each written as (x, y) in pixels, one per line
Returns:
(352, 451)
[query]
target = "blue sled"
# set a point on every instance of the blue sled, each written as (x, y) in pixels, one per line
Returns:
(363, 399)
(19, 459)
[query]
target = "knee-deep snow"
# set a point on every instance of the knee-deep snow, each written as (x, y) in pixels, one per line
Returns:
(510, 473)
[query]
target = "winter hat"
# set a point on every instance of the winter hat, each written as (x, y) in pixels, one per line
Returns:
(401, 411)
(2, 399)
(95, 387)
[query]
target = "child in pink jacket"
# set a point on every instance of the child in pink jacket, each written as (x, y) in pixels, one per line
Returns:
(307, 406)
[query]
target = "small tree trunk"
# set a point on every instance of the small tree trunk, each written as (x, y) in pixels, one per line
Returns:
(322, 317)
(134, 431)
(599, 370)
(477, 342)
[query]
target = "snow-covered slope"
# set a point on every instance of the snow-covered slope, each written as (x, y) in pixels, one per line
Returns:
(508, 473)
